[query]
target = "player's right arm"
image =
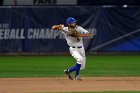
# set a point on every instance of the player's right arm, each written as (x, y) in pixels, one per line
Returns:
(58, 27)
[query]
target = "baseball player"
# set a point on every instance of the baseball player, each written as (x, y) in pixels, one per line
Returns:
(73, 35)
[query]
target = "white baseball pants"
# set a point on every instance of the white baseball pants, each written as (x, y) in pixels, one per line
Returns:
(79, 55)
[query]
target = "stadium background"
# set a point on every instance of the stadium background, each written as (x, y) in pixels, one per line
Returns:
(29, 48)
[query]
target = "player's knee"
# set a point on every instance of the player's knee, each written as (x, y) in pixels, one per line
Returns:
(82, 67)
(80, 60)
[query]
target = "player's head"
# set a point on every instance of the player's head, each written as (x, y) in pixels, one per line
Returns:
(71, 22)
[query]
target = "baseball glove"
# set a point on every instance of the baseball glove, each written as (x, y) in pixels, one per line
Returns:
(74, 33)
(78, 34)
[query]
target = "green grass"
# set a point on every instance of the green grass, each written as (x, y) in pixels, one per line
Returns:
(53, 66)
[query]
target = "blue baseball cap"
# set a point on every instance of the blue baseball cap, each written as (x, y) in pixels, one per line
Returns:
(71, 20)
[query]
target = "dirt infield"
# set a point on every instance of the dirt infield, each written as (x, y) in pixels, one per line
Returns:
(30, 85)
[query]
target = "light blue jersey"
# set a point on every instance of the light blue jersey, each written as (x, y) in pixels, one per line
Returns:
(74, 41)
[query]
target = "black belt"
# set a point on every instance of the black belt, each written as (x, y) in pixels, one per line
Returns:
(77, 47)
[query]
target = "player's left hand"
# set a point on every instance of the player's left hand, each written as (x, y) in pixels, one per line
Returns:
(77, 34)
(74, 34)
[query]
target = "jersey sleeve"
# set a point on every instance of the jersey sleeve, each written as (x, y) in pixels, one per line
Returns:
(64, 30)
(82, 30)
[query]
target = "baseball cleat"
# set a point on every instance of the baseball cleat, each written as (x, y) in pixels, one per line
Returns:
(77, 78)
(69, 76)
